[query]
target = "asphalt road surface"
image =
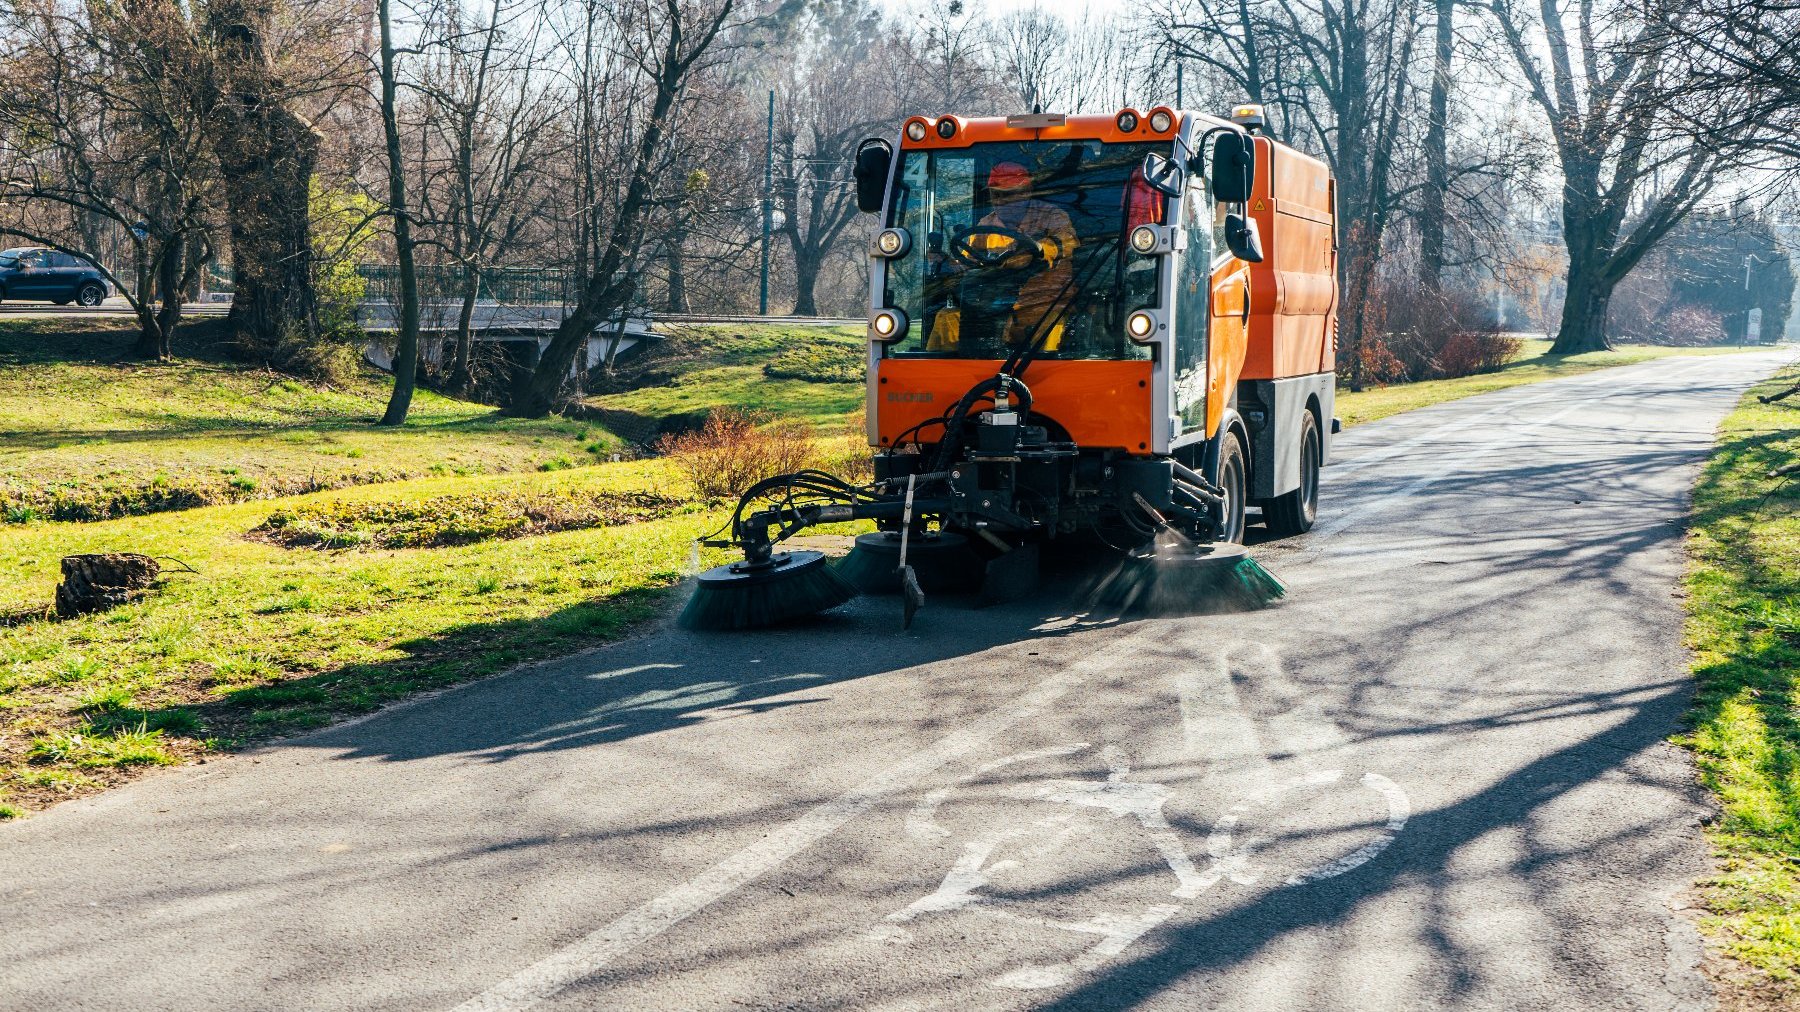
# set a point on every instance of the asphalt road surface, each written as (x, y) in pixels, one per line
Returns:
(1434, 777)
(114, 306)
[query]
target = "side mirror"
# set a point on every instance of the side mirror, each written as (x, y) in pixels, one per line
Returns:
(874, 157)
(1163, 174)
(1243, 238)
(1233, 167)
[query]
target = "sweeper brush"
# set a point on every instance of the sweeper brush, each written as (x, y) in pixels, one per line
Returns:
(943, 563)
(750, 595)
(1174, 577)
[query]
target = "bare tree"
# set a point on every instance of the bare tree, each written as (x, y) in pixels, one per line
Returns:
(827, 107)
(406, 354)
(1340, 72)
(666, 42)
(104, 119)
(1629, 172)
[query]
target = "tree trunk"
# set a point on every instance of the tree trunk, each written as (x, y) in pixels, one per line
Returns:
(267, 155)
(1583, 326)
(806, 281)
(1437, 158)
(461, 374)
(677, 264)
(406, 352)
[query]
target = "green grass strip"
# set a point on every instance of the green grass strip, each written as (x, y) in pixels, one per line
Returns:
(1744, 628)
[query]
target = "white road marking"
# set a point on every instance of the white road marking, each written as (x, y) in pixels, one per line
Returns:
(597, 949)
(1399, 810)
(921, 822)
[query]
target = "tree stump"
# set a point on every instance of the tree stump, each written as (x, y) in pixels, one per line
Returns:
(98, 582)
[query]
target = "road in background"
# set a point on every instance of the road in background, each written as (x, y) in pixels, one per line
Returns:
(1434, 776)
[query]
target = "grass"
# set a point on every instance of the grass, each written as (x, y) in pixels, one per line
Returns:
(1744, 628)
(1533, 364)
(87, 434)
(811, 373)
(268, 640)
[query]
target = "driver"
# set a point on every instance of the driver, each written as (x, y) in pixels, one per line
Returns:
(1046, 294)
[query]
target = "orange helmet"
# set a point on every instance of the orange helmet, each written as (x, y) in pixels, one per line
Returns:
(1008, 176)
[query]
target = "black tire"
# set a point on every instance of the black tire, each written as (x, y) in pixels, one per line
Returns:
(1234, 479)
(1297, 511)
(90, 294)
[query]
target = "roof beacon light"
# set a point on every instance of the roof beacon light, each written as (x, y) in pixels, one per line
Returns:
(1127, 121)
(1249, 116)
(915, 130)
(946, 127)
(1161, 120)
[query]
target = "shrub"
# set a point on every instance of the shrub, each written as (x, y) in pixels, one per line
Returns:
(1418, 334)
(735, 449)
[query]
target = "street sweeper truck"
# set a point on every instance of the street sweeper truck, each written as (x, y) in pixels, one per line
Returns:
(1116, 330)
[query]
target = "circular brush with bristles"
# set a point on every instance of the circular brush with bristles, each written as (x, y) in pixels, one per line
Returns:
(746, 595)
(1178, 577)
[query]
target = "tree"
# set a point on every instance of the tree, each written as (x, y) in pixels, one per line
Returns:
(268, 154)
(406, 354)
(1630, 172)
(827, 108)
(667, 41)
(104, 119)
(1340, 72)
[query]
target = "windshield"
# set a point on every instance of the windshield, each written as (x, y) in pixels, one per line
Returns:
(1019, 242)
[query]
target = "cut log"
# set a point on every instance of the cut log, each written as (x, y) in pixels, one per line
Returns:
(98, 582)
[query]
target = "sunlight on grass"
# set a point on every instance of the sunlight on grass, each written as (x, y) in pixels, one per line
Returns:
(267, 640)
(1533, 364)
(1744, 628)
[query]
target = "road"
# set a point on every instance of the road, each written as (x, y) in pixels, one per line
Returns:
(114, 306)
(1434, 776)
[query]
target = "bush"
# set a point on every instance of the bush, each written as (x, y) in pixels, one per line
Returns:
(735, 449)
(1416, 334)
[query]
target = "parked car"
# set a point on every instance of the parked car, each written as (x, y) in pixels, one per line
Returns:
(37, 274)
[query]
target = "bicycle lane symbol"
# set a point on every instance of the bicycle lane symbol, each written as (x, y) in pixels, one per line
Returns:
(965, 887)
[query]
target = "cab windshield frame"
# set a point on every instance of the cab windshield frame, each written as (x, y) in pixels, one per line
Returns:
(1076, 302)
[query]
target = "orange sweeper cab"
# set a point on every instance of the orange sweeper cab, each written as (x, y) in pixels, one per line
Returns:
(1117, 328)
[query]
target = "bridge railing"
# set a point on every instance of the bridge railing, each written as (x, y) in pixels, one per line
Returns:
(514, 286)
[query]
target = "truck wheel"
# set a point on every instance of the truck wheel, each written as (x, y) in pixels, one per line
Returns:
(1233, 477)
(1297, 511)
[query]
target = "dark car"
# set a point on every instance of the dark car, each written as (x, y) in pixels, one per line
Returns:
(36, 274)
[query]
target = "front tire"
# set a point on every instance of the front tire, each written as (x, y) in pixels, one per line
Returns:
(1234, 476)
(1295, 512)
(90, 295)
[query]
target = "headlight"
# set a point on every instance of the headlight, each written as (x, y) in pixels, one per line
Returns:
(893, 242)
(1143, 239)
(1161, 120)
(1141, 326)
(888, 325)
(1127, 121)
(946, 128)
(915, 130)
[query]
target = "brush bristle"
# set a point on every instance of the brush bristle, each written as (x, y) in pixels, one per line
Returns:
(943, 564)
(1188, 585)
(756, 604)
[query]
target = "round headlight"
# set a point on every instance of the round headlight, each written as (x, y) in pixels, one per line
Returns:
(946, 128)
(893, 242)
(888, 325)
(915, 130)
(1140, 325)
(1128, 121)
(1143, 239)
(1161, 121)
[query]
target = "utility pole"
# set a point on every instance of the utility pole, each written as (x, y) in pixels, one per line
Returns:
(1178, 86)
(768, 203)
